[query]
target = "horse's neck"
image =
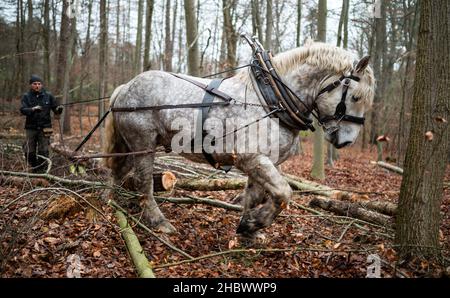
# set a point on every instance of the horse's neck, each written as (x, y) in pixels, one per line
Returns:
(304, 80)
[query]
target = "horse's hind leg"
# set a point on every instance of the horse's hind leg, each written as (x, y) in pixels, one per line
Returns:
(144, 184)
(260, 211)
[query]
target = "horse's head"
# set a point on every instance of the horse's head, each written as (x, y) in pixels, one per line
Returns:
(342, 101)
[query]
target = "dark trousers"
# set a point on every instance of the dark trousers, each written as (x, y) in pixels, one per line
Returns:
(36, 142)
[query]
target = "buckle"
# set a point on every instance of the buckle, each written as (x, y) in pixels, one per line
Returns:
(336, 83)
(347, 82)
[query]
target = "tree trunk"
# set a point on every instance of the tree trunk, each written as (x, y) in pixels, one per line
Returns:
(256, 20)
(138, 49)
(46, 37)
(318, 169)
(380, 41)
(168, 50)
(148, 34)
(63, 44)
(103, 54)
(191, 37)
(269, 26)
(231, 36)
(421, 192)
(69, 48)
(299, 22)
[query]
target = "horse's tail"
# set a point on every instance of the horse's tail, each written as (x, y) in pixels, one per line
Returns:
(113, 142)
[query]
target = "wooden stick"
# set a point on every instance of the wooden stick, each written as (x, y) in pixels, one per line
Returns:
(135, 250)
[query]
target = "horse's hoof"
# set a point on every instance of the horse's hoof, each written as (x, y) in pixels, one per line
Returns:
(166, 227)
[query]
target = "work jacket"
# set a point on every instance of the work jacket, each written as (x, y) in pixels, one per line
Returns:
(38, 119)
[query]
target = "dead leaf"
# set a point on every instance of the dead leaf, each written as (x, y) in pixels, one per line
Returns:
(336, 246)
(51, 240)
(97, 253)
(231, 243)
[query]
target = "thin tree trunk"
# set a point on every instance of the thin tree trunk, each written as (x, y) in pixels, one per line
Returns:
(299, 22)
(269, 26)
(47, 42)
(380, 41)
(168, 50)
(191, 37)
(69, 48)
(138, 49)
(230, 32)
(148, 34)
(102, 61)
(318, 171)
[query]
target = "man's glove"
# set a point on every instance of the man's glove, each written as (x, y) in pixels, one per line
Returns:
(59, 109)
(36, 108)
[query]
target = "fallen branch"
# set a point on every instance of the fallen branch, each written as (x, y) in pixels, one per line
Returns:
(196, 200)
(390, 167)
(117, 207)
(138, 257)
(351, 209)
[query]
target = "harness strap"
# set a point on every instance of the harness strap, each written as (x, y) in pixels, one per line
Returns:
(208, 99)
(208, 88)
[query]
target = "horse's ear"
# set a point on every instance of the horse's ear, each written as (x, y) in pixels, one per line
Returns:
(362, 64)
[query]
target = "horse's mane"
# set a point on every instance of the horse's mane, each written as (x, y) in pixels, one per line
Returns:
(328, 58)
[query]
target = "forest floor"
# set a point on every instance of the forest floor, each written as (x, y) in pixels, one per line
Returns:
(302, 242)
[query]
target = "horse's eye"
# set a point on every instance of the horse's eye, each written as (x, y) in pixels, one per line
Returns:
(355, 98)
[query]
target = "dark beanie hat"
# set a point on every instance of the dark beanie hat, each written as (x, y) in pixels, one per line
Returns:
(35, 78)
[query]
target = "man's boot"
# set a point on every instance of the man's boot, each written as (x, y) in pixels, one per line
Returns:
(41, 162)
(32, 161)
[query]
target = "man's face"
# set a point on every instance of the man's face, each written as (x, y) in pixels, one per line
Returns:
(36, 86)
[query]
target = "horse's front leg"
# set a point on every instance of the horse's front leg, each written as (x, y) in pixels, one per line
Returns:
(260, 211)
(252, 195)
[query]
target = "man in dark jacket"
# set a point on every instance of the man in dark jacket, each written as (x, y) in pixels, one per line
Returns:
(36, 106)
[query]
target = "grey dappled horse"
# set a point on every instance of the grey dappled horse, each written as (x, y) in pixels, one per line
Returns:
(306, 70)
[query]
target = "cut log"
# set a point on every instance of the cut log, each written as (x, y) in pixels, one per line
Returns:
(211, 184)
(390, 167)
(387, 208)
(352, 210)
(164, 181)
(138, 257)
(315, 188)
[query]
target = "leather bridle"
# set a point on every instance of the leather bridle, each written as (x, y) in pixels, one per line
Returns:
(340, 112)
(278, 95)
